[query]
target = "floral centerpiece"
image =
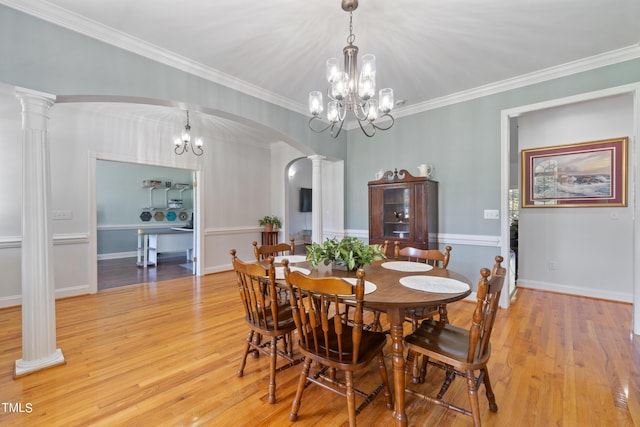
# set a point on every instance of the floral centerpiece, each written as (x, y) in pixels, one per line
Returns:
(349, 253)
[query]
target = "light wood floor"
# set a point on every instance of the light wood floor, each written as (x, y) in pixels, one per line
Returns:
(166, 354)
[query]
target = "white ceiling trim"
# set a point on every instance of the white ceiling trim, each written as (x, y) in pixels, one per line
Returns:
(581, 65)
(88, 27)
(96, 30)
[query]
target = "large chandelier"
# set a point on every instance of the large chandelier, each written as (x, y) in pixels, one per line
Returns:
(183, 142)
(350, 91)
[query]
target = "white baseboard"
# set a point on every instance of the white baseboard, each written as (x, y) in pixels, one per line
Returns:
(10, 301)
(218, 268)
(117, 255)
(71, 291)
(574, 290)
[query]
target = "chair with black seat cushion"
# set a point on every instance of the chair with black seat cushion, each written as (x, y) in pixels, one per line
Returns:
(331, 340)
(265, 251)
(463, 352)
(265, 316)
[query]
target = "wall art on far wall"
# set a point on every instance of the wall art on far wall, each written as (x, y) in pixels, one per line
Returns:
(587, 174)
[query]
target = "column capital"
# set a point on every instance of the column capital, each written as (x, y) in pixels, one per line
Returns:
(34, 108)
(316, 158)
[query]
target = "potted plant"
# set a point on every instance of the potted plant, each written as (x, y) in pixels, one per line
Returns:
(270, 222)
(349, 253)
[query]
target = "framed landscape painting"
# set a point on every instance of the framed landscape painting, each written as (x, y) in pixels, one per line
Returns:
(587, 174)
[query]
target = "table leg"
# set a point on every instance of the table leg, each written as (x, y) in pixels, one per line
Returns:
(396, 319)
(145, 251)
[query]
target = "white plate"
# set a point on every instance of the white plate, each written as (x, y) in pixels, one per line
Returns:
(406, 266)
(291, 258)
(439, 285)
(368, 286)
(280, 271)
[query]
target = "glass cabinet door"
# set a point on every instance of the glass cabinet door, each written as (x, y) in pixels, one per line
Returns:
(396, 212)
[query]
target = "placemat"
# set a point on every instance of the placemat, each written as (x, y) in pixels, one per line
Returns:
(406, 266)
(435, 284)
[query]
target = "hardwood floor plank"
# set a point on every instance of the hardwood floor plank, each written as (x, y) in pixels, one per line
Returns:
(167, 353)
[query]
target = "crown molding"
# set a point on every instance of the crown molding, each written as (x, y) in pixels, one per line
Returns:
(586, 64)
(88, 27)
(75, 22)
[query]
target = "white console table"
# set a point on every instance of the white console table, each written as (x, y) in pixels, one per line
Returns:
(151, 242)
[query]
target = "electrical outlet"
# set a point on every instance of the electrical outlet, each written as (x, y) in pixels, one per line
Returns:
(491, 214)
(552, 265)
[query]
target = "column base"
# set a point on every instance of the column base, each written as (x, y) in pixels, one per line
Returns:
(24, 367)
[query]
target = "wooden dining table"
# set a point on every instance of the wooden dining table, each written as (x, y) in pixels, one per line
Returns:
(394, 299)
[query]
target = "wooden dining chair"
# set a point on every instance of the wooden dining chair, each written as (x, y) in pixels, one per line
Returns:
(432, 257)
(331, 340)
(463, 352)
(265, 251)
(265, 316)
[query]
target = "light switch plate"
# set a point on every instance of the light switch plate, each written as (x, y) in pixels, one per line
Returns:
(491, 214)
(56, 215)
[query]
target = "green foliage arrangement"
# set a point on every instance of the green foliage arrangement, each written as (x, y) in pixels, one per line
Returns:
(269, 219)
(350, 253)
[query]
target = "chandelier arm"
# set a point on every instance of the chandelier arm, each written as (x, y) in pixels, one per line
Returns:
(318, 130)
(200, 151)
(373, 127)
(342, 111)
(387, 127)
(359, 111)
(334, 136)
(184, 149)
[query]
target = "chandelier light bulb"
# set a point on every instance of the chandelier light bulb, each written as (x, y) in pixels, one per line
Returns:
(372, 111)
(186, 134)
(366, 87)
(340, 86)
(368, 65)
(386, 100)
(332, 111)
(332, 69)
(315, 102)
(199, 142)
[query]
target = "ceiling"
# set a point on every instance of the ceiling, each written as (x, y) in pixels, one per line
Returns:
(425, 49)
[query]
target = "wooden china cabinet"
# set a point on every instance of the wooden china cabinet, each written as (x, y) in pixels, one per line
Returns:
(403, 208)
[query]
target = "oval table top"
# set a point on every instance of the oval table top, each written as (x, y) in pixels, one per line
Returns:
(389, 292)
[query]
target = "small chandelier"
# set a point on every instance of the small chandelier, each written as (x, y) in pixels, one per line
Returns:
(182, 142)
(349, 91)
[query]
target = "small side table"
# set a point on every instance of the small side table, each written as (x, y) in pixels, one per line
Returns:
(270, 238)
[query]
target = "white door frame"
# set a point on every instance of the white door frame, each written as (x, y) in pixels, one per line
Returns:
(634, 159)
(93, 225)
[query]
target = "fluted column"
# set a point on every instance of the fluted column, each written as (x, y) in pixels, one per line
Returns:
(38, 288)
(316, 211)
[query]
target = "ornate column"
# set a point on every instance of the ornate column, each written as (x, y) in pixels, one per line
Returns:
(316, 196)
(38, 288)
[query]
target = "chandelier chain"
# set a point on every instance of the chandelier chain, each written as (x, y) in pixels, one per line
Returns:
(351, 38)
